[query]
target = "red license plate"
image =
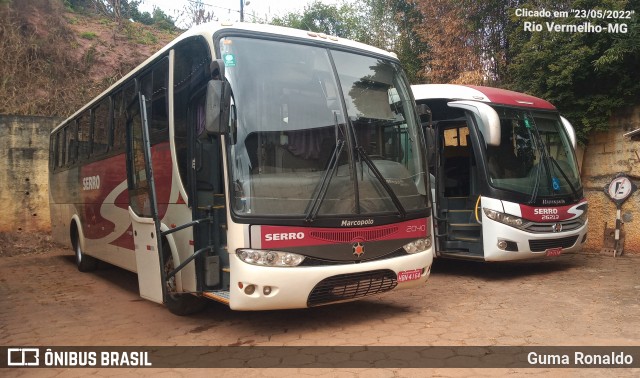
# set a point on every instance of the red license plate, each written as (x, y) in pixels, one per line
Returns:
(553, 252)
(409, 275)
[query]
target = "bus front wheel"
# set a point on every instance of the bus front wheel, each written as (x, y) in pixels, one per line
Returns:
(84, 262)
(180, 304)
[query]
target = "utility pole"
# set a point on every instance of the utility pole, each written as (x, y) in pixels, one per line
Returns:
(242, 4)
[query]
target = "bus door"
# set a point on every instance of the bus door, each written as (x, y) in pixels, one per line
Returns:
(456, 193)
(207, 200)
(142, 204)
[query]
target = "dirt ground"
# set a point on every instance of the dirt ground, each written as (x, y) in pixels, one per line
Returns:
(584, 299)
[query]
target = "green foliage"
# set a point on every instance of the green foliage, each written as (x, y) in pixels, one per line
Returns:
(588, 76)
(88, 35)
(386, 24)
(162, 20)
(322, 18)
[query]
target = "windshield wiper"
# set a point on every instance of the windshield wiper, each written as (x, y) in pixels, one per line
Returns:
(573, 189)
(323, 187)
(376, 172)
(543, 160)
(536, 185)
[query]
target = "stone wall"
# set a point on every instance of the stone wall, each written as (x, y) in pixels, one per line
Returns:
(607, 154)
(24, 154)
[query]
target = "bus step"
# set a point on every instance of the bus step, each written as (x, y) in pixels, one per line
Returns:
(465, 245)
(461, 216)
(464, 239)
(462, 255)
(457, 203)
(464, 225)
(465, 231)
(216, 207)
(221, 296)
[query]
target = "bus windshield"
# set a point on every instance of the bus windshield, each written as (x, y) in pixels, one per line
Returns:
(534, 157)
(320, 132)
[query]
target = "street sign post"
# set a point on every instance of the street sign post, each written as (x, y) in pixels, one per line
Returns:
(619, 190)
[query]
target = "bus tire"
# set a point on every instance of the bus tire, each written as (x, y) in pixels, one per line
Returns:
(180, 304)
(84, 262)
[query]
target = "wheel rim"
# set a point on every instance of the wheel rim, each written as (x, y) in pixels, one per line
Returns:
(171, 282)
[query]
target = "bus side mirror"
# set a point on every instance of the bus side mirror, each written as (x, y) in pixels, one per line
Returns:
(489, 124)
(570, 131)
(430, 139)
(217, 102)
(425, 114)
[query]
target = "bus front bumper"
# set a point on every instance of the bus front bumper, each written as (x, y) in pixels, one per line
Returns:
(269, 288)
(523, 245)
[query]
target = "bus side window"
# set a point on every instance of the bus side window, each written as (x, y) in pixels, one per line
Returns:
(83, 136)
(71, 145)
(51, 152)
(191, 72)
(121, 99)
(153, 86)
(59, 160)
(100, 141)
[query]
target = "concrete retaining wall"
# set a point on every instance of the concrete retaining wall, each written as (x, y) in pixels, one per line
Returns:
(606, 155)
(24, 154)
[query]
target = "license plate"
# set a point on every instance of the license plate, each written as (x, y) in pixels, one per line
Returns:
(409, 275)
(553, 252)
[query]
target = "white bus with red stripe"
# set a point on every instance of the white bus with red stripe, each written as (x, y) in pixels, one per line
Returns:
(507, 184)
(259, 166)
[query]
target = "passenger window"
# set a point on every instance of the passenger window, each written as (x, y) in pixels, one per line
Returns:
(100, 141)
(121, 100)
(71, 144)
(83, 136)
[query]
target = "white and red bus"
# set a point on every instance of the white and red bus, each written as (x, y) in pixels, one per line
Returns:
(259, 166)
(507, 182)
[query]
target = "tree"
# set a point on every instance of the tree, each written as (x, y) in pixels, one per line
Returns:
(386, 24)
(586, 75)
(454, 44)
(408, 45)
(322, 18)
(197, 14)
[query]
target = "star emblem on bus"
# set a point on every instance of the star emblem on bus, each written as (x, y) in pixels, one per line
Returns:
(358, 249)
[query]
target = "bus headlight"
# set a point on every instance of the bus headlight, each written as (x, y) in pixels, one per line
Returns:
(508, 219)
(269, 258)
(416, 246)
(583, 217)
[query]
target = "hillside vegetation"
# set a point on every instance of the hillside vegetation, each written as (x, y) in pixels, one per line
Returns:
(54, 59)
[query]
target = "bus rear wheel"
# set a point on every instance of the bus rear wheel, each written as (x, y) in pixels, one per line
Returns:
(84, 262)
(180, 304)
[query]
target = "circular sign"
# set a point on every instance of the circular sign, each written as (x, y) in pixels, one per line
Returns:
(620, 188)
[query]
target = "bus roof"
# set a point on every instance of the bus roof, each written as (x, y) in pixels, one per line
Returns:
(479, 93)
(210, 28)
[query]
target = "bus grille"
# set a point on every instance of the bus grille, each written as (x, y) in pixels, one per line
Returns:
(352, 286)
(544, 244)
(547, 227)
(347, 236)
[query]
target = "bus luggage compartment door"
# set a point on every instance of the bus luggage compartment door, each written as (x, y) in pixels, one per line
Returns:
(148, 265)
